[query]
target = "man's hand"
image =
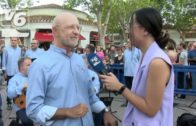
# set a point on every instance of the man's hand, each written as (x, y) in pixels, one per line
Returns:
(78, 111)
(109, 119)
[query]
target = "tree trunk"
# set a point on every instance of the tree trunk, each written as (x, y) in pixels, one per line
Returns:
(100, 33)
(124, 35)
(102, 28)
(182, 34)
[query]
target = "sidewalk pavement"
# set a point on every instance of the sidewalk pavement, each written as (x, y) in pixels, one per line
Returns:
(118, 111)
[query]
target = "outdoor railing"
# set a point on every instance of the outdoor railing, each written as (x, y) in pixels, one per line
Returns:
(183, 77)
(118, 70)
(185, 80)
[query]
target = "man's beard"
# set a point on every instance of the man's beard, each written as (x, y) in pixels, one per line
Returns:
(67, 44)
(34, 48)
(14, 46)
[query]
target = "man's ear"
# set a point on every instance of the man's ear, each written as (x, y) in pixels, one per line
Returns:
(55, 31)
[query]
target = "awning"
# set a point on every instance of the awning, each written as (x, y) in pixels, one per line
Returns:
(81, 37)
(48, 37)
(43, 36)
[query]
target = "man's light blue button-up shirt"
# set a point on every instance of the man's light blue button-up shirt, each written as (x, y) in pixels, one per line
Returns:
(57, 80)
(10, 60)
(15, 87)
(34, 54)
(131, 61)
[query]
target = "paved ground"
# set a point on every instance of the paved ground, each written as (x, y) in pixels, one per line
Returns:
(182, 107)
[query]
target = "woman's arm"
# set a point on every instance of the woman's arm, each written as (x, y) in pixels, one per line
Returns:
(158, 76)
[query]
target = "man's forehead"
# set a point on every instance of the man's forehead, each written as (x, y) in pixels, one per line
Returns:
(65, 19)
(68, 18)
(71, 21)
(34, 41)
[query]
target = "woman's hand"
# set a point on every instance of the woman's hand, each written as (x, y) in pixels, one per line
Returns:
(110, 82)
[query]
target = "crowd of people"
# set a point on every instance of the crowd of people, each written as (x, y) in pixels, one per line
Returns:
(15, 63)
(61, 89)
(184, 54)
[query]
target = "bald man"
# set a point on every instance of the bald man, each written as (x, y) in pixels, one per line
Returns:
(60, 92)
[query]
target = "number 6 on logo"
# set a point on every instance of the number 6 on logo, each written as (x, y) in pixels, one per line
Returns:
(19, 19)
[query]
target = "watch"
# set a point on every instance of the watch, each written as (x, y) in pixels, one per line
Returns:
(106, 109)
(120, 91)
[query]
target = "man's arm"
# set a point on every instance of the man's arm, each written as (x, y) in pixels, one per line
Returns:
(11, 90)
(98, 106)
(35, 107)
(4, 63)
(74, 112)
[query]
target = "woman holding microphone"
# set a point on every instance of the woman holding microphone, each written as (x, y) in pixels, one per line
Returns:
(151, 97)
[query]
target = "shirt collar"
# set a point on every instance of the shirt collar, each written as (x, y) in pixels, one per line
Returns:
(14, 47)
(60, 50)
(149, 52)
(22, 74)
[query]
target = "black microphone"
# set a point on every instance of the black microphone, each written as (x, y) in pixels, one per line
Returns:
(96, 63)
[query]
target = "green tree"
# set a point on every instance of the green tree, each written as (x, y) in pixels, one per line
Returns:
(14, 4)
(11, 4)
(176, 15)
(121, 13)
(101, 9)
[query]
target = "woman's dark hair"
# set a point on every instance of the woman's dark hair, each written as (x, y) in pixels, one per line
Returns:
(151, 20)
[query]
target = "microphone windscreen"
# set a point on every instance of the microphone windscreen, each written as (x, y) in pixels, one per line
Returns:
(96, 63)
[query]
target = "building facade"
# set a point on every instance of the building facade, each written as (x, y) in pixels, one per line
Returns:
(36, 22)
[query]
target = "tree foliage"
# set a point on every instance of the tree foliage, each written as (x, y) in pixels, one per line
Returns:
(176, 14)
(121, 12)
(13, 4)
(100, 9)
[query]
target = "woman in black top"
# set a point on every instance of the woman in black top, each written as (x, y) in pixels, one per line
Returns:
(119, 58)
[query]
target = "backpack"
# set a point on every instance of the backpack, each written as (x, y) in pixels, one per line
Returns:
(186, 119)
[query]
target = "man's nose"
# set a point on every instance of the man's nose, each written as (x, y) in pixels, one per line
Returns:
(76, 30)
